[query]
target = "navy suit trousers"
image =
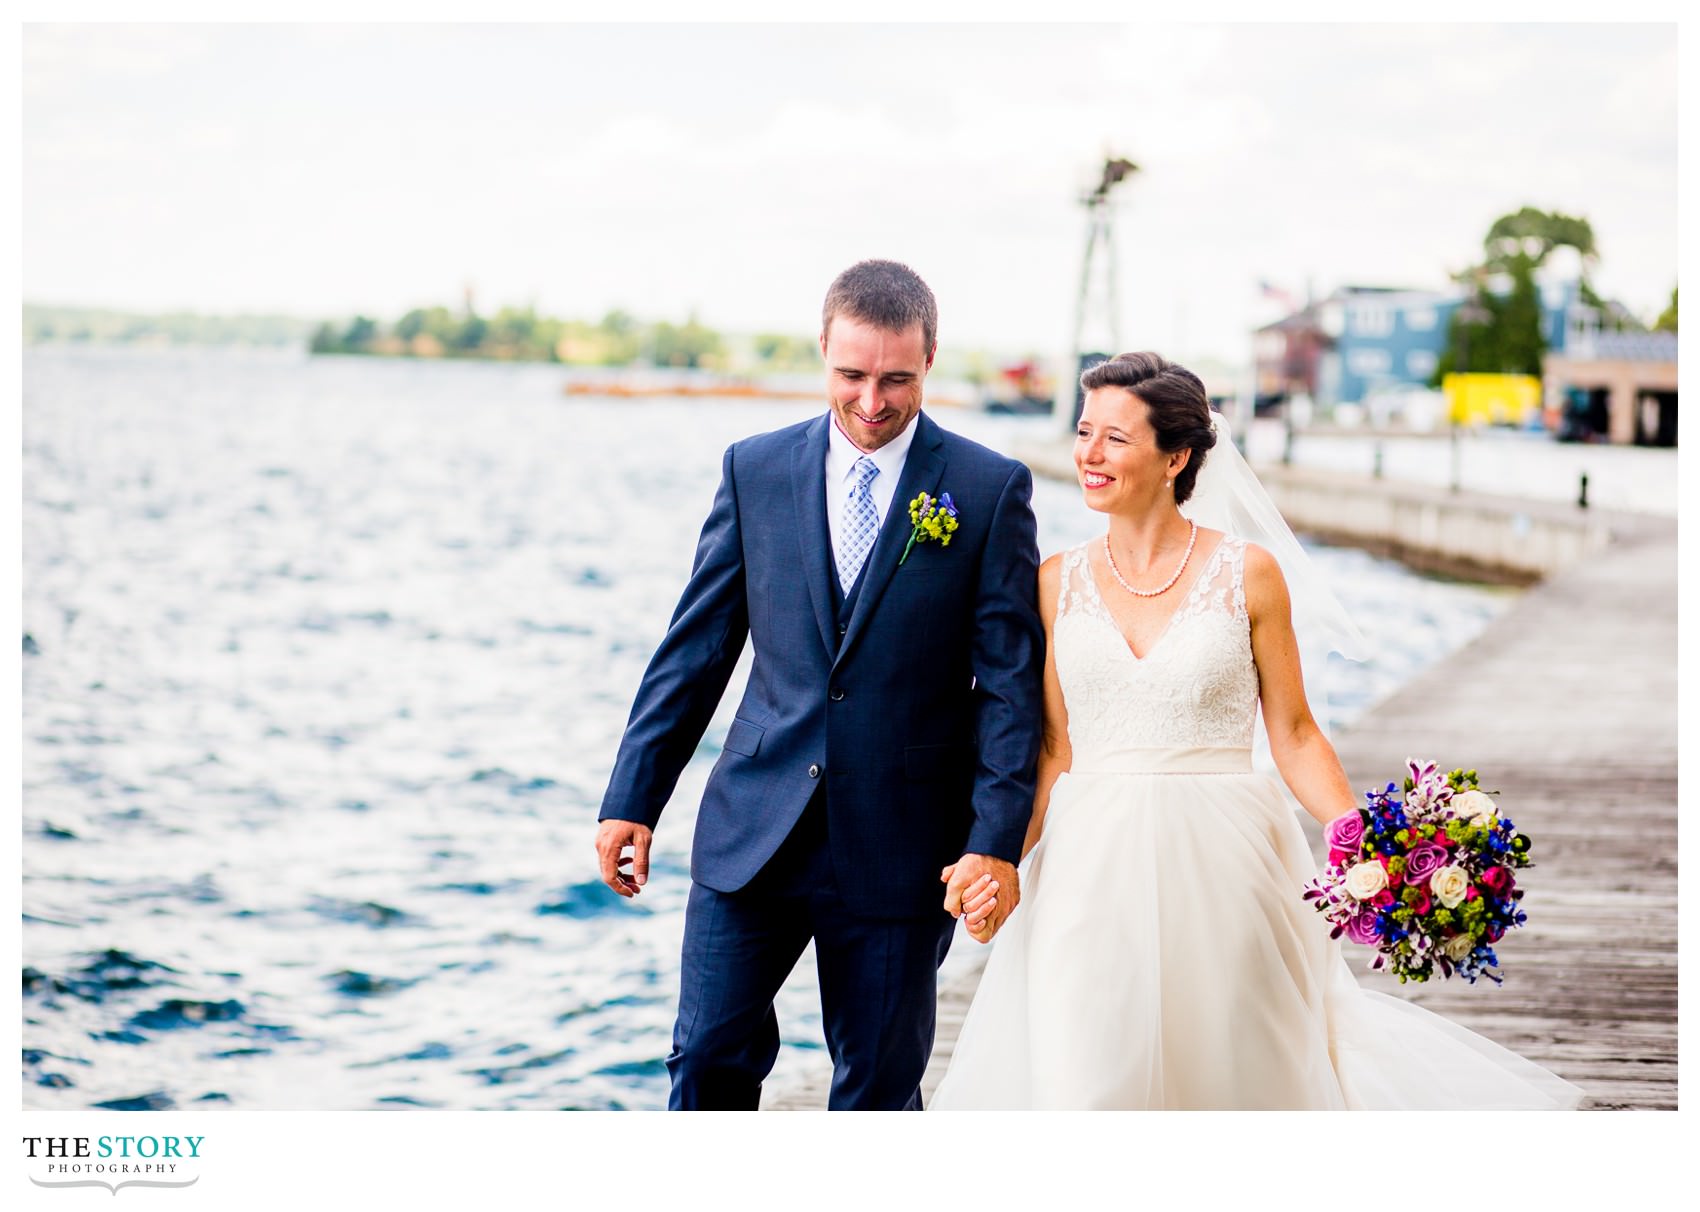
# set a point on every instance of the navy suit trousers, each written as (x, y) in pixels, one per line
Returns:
(878, 984)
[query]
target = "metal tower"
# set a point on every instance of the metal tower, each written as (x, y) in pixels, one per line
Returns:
(1100, 234)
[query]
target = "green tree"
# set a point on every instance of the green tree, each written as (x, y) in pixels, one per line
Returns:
(1667, 318)
(1534, 233)
(1521, 339)
(689, 344)
(1504, 334)
(411, 325)
(360, 333)
(785, 352)
(441, 323)
(469, 334)
(324, 340)
(621, 338)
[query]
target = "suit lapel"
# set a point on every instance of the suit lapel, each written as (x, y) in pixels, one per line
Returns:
(922, 471)
(808, 480)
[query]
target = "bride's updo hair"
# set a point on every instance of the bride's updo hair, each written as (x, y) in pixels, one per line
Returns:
(1175, 399)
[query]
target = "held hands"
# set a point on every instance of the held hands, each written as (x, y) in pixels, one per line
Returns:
(983, 891)
(613, 838)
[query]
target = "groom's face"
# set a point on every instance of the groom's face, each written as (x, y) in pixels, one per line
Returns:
(873, 378)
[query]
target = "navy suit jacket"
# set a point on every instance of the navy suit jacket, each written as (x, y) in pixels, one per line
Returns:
(922, 718)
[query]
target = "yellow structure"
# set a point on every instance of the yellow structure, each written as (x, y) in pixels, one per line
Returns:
(1473, 399)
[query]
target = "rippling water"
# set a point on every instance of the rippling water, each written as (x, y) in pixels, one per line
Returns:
(325, 666)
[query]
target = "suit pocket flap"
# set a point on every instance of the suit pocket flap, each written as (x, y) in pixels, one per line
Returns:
(743, 737)
(932, 761)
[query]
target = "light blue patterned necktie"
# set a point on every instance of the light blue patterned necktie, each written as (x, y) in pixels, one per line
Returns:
(859, 526)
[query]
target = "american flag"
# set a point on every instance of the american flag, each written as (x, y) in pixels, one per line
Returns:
(1269, 290)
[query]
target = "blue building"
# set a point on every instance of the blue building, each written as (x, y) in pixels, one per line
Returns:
(1361, 340)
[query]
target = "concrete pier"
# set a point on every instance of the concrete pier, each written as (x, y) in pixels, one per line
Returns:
(1566, 705)
(1471, 535)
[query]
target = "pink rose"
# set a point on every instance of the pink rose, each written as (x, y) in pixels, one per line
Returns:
(1337, 858)
(1361, 929)
(1345, 832)
(1470, 893)
(1383, 898)
(1497, 880)
(1423, 861)
(1424, 903)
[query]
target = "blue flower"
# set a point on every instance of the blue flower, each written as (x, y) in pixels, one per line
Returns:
(949, 505)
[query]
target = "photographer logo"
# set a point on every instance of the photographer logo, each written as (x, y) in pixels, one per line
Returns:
(113, 1162)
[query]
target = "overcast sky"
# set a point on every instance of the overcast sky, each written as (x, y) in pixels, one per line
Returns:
(733, 170)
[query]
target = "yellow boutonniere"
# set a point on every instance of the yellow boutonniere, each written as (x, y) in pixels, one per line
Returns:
(933, 518)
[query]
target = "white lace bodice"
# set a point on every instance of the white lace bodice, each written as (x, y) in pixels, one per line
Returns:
(1195, 687)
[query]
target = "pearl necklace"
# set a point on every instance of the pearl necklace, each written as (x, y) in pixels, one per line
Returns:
(1167, 585)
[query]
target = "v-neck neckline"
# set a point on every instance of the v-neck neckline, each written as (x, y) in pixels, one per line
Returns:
(1207, 569)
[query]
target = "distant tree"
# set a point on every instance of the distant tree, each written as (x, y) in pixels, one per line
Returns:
(1503, 333)
(1534, 233)
(663, 346)
(1497, 333)
(1667, 318)
(411, 325)
(780, 350)
(361, 332)
(1521, 336)
(469, 334)
(442, 324)
(513, 325)
(324, 340)
(689, 344)
(620, 337)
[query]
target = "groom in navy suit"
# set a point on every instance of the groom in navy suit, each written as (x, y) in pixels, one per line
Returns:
(890, 727)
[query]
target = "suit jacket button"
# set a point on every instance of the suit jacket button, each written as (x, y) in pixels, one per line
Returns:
(837, 694)
(814, 772)
(842, 628)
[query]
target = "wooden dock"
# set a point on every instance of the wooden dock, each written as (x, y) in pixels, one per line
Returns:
(1566, 705)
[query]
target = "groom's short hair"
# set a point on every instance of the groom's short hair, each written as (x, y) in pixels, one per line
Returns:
(886, 294)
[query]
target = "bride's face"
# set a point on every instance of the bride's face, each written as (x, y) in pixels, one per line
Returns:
(1116, 457)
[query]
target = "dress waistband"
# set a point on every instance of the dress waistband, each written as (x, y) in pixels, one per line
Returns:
(1206, 760)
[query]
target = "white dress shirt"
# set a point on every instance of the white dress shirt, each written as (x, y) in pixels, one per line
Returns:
(841, 456)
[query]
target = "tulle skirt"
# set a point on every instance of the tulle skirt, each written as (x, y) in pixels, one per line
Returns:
(1162, 957)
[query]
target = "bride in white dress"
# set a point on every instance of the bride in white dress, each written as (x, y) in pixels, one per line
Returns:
(1161, 955)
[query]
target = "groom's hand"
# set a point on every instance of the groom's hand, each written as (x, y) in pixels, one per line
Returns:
(966, 892)
(612, 839)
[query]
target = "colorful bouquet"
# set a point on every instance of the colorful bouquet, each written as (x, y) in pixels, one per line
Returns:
(1426, 880)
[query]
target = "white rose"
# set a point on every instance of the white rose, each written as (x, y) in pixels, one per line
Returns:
(1450, 884)
(1365, 880)
(1476, 805)
(1458, 947)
